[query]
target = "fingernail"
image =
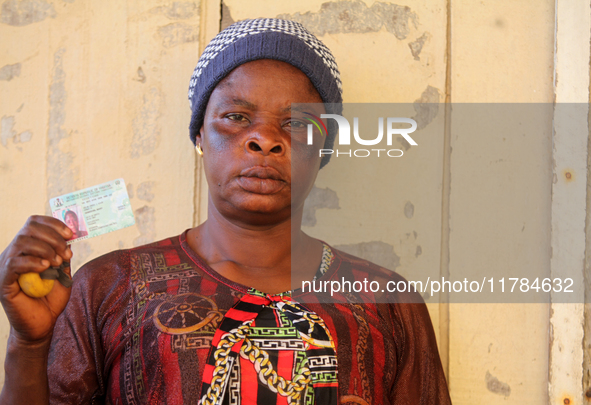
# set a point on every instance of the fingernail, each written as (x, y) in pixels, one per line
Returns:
(45, 263)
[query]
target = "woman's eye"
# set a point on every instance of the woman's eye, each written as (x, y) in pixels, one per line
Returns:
(296, 124)
(236, 117)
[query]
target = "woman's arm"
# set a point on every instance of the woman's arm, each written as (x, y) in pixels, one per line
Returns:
(41, 243)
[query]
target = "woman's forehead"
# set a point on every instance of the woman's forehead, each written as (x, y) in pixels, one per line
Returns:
(271, 74)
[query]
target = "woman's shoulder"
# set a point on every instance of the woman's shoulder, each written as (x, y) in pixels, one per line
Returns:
(370, 281)
(365, 265)
(114, 266)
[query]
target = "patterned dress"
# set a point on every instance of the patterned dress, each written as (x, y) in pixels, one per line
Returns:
(272, 339)
(157, 325)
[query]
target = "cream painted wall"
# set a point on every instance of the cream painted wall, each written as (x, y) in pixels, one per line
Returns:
(101, 89)
(500, 195)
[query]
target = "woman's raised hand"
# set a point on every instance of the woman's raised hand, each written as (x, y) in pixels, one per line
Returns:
(40, 244)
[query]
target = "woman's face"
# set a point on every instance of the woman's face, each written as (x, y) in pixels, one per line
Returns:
(72, 222)
(251, 142)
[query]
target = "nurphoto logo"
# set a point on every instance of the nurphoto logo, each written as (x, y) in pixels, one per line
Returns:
(344, 137)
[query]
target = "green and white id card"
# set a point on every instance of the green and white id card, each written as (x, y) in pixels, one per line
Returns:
(95, 210)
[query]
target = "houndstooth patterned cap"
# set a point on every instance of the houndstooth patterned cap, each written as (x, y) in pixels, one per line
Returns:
(265, 38)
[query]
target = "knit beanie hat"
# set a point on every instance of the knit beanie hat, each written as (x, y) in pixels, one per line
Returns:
(266, 38)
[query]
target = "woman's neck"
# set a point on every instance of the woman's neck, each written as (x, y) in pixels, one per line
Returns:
(257, 256)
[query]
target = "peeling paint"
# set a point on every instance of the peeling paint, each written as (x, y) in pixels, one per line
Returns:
(318, 198)
(496, 386)
(376, 252)
(403, 143)
(227, 19)
(419, 251)
(177, 34)
(396, 18)
(144, 191)
(409, 209)
(146, 129)
(25, 12)
(9, 72)
(141, 76)
(416, 46)
(7, 132)
(145, 222)
(130, 190)
(353, 16)
(23, 137)
(61, 176)
(426, 107)
(179, 10)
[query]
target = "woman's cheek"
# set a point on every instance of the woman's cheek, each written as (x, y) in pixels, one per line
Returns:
(304, 152)
(222, 135)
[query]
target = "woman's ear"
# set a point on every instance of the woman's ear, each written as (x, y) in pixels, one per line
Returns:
(198, 141)
(199, 136)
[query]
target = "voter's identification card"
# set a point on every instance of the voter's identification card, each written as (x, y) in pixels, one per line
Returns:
(95, 210)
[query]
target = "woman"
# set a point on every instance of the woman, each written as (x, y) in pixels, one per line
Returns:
(210, 316)
(71, 220)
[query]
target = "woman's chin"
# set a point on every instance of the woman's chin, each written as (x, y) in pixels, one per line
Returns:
(257, 211)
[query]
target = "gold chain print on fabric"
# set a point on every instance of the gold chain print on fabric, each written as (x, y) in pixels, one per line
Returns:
(314, 319)
(260, 359)
(360, 350)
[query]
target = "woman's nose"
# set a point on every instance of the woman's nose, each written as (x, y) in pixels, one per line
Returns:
(266, 139)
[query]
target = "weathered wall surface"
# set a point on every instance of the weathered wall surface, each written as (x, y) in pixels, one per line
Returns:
(92, 91)
(500, 194)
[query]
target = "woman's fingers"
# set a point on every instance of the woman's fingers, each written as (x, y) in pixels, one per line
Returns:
(53, 223)
(39, 244)
(51, 231)
(25, 245)
(18, 265)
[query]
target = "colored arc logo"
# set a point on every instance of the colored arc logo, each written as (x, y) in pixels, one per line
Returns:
(315, 121)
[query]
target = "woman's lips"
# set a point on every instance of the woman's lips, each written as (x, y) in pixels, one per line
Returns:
(261, 180)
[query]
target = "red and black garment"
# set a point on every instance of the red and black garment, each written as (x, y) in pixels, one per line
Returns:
(142, 325)
(270, 349)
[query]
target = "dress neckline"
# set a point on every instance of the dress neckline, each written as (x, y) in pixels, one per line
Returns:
(328, 258)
